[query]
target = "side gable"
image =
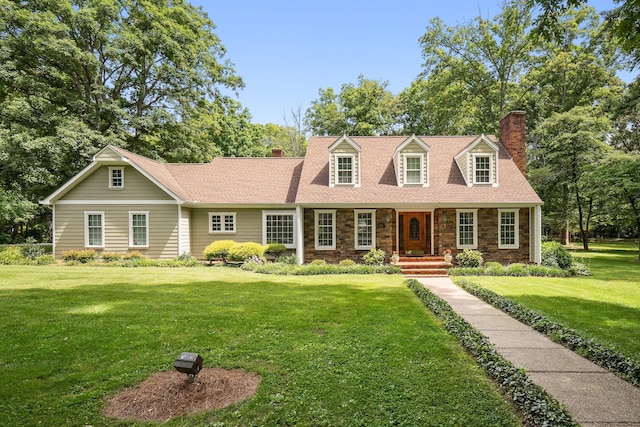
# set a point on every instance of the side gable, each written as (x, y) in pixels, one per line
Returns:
(411, 162)
(345, 164)
(478, 162)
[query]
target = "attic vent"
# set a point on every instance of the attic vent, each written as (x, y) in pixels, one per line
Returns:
(277, 152)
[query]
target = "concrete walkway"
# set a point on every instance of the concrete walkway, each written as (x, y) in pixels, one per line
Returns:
(593, 396)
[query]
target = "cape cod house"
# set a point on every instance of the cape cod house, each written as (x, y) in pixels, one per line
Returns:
(420, 194)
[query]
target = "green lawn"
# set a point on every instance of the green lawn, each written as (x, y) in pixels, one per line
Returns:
(604, 306)
(343, 350)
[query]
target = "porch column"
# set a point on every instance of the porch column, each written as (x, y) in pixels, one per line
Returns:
(535, 234)
(300, 234)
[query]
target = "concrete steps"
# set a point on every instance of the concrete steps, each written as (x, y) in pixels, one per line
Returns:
(427, 265)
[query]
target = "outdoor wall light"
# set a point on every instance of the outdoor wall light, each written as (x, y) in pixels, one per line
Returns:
(190, 364)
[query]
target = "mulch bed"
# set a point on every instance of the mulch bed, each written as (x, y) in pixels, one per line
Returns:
(166, 395)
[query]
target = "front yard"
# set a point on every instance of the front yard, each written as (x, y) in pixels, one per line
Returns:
(331, 350)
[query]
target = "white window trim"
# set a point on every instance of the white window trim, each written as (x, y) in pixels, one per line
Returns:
(336, 169)
(516, 245)
(404, 168)
(316, 230)
(86, 229)
(111, 186)
(491, 169)
(222, 215)
(373, 229)
(474, 245)
(146, 216)
(280, 212)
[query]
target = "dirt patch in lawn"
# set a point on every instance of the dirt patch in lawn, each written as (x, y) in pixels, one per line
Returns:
(165, 395)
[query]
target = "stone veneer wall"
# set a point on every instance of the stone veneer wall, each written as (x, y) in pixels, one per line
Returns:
(345, 236)
(445, 237)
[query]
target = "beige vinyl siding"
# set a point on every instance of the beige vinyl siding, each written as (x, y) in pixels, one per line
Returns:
(412, 148)
(185, 230)
(108, 155)
(136, 187)
(248, 228)
(344, 149)
(162, 233)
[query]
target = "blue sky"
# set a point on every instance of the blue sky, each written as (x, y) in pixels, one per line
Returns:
(286, 51)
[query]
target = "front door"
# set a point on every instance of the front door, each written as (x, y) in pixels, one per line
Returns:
(416, 232)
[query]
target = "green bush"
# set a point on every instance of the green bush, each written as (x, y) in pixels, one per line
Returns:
(469, 258)
(275, 249)
(318, 262)
(288, 259)
(133, 255)
(109, 257)
(218, 249)
(467, 271)
(82, 256)
(46, 259)
(493, 268)
(516, 269)
(244, 251)
(374, 257)
(12, 255)
(31, 249)
(579, 269)
(347, 263)
(555, 255)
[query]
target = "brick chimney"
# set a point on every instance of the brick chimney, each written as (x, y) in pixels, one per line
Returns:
(277, 152)
(512, 136)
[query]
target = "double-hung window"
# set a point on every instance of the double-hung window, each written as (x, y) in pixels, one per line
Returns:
(467, 229)
(139, 229)
(279, 227)
(116, 178)
(94, 229)
(325, 229)
(482, 169)
(365, 228)
(413, 169)
(222, 222)
(508, 229)
(344, 169)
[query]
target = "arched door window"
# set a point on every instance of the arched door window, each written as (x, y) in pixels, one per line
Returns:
(414, 229)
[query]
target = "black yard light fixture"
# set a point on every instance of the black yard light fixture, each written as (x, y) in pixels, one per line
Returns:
(190, 364)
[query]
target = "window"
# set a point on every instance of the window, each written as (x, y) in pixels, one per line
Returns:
(481, 169)
(508, 229)
(325, 230)
(222, 222)
(116, 178)
(365, 227)
(139, 229)
(94, 229)
(279, 227)
(413, 170)
(344, 169)
(467, 230)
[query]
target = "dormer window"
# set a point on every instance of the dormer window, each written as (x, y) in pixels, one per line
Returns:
(116, 178)
(481, 169)
(344, 170)
(413, 169)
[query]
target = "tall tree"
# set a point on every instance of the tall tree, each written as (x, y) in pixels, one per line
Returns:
(367, 108)
(572, 143)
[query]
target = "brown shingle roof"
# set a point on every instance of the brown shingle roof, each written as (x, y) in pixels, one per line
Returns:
(379, 186)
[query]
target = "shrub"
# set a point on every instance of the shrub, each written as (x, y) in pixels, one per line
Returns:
(347, 263)
(318, 262)
(109, 257)
(494, 269)
(466, 271)
(579, 269)
(218, 249)
(374, 257)
(46, 259)
(12, 255)
(186, 260)
(556, 255)
(81, 256)
(516, 269)
(469, 258)
(31, 249)
(134, 255)
(244, 251)
(275, 249)
(542, 271)
(288, 259)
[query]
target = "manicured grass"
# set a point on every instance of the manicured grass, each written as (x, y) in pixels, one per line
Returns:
(344, 350)
(604, 306)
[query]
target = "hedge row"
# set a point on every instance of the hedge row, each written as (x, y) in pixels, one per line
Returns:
(318, 268)
(620, 365)
(537, 407)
